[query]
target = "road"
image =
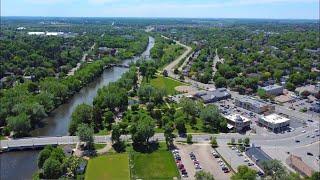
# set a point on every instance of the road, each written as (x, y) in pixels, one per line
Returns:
(170, 67)
(83, 59)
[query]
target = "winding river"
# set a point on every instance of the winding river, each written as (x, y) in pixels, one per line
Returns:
(22, 164)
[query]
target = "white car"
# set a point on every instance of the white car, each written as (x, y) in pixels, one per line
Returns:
(304, 131)
(316, 130)
(246, 160)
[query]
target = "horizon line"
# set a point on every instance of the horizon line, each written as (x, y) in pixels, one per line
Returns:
(160, 17)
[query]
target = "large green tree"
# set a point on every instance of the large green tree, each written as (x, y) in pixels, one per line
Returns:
(244, 172)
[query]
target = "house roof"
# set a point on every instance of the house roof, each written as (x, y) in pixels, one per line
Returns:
(297, 163)
(258, 154)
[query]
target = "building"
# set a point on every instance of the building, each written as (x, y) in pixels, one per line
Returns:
(255, 105)
(296, 163)
(238, 122)
(273, 89)
(214, 96)
(274, 122)
(312, 89)
(36, 33)
(257, 155)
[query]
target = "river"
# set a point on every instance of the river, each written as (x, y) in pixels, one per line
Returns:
(21, 165)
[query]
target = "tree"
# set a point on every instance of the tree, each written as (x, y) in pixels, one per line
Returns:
(70, 166)
(180, 125)
(221, 82)
(44, 155)
(168, 134)
(232, 141)
(212, 118)
(19, 124)
(214, 142)
(58, 154)
(246, 141)
(203, 175)
(52, 169)
(116, 134)
(82, 114)
(239, 141)
(314, 176)
(108, 119)
(274, 169)
(142, 130)
(85, 134)
(244, 172)
(189, 139)
(189, 107)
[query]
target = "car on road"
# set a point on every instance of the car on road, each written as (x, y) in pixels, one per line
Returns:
(316, 130)
(309, 120)
(246, 160)
(304, 131)
(309, 154)
(260, 173)
(297, 141)
(250, 164)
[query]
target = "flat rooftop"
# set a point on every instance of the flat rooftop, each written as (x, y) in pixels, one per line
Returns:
(275, 119)
(271, 87)
(237, 117)
(253, 101)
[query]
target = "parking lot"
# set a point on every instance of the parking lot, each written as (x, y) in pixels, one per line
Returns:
(234, 157)
(203, 157)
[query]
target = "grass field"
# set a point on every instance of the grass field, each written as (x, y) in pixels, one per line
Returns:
(114, 166)
(165, 83)
(156, 165)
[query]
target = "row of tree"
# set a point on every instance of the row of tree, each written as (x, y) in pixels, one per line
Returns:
(24, 105)
(110, 100)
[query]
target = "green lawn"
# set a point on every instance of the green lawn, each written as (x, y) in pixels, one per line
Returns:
(165, 83)
(113, 166)
(156, 165)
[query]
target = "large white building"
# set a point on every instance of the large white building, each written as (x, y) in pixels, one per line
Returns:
(238, 122)
(274, 122)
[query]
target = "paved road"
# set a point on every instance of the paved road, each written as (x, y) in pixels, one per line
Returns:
(170, 67)
(83, 59)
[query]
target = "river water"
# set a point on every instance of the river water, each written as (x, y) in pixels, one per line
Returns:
(22, 164)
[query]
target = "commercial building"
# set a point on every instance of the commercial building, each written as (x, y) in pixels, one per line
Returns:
(255, 105)
(257, 155)
(214, 96)
(299, 165)
(274, 122)
(238, 122)
(273, 89)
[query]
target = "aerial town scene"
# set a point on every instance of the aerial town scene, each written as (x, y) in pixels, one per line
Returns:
(160, 90)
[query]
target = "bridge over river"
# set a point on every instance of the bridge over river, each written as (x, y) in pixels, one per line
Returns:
(40, 142)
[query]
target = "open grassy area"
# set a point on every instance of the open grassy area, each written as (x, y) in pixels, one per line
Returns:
(112, 166)
(156, 165)
(165, 83)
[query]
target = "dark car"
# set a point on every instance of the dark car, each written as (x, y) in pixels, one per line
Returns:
(309, 154)
(260, 173)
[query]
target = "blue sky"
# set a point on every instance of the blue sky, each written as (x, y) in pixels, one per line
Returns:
(275, 9)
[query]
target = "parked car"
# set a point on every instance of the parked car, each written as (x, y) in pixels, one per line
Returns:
(250, 164)
(260, 173)
(246, 160)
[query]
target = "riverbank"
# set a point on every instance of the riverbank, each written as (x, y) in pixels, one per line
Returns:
(56, 124)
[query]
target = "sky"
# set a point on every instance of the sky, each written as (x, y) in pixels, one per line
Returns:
(269, 9)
